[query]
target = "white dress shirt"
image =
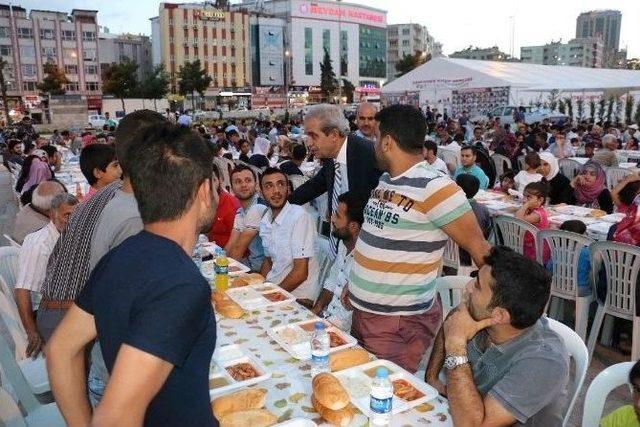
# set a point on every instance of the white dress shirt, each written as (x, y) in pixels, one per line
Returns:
(335, 312)
(440, 165)
(292, 235)
(341, 159)
(33, 258)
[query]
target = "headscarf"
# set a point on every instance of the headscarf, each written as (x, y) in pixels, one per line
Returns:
(261, 146)
(553, 164)
(586, 195)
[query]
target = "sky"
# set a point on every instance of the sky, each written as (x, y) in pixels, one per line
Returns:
(455, 23)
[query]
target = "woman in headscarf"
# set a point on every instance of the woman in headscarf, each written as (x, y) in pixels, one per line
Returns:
(625, 197)
(560, 190)
(589, 188)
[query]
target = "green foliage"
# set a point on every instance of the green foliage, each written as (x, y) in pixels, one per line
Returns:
(348, 90)
(193, 78)
(580, 109)
(601, 107)
(328, 81)
(54, 80)
(156, 84)
(120, 80)
(610, 108)
(628, 108)
(592, 110)
(409, 62)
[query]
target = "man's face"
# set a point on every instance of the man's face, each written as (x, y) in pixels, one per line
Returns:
(442, 132)
(381, 158)
(478, 294)
(366, 121)
(17, 149)
(477, 134)
(427, 154)
(560, 139)
(323, 146)
(243, 184)
(244, 148)
(106, 115)
(112, 172)
(235, 138)
(340, 223)
(467, 158)
(275, 190)
(60, 216)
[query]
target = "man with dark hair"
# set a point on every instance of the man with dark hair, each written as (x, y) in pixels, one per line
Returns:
(244, 243)
(504, 364)
(408, 218)
(292, 167)
(470, 185)
(430, 154)
(468, 165)
(148, 300)
(444, 138)
(221, 228)
(288, 236)
(346, 222)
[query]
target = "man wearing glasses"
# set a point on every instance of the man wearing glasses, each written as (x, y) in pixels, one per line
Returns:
(366, 121)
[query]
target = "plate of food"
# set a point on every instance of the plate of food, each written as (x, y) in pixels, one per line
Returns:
(295, 338)
(233, 368)
(253, 297)
(408, 390)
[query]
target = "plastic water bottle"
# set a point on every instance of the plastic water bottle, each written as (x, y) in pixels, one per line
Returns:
(198, 251)
(319, 350)
(222, 270)
(381, 399)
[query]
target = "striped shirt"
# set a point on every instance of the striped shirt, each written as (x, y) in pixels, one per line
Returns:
(400, 246)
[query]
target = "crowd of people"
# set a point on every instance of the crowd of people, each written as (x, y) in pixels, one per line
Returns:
(112, 274)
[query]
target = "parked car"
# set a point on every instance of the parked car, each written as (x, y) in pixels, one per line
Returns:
(96, 121)
(531, 115)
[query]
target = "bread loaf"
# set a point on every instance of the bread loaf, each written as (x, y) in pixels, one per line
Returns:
(247, 279)
(249, 418)
(225, 306)
(252, 398)
(347, 359)
(329, 392)
(341, 417)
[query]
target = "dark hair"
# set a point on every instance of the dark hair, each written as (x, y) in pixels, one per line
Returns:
(521, 286)
(431, 146)
(508, 174)
(259, 161)
(532, 160)
(240, 168)
(574, 225)
(231, 133)
(469, 184)
(299, 152)
(540, 189)
(171, 162)
(355, 206)
(127, 132)
(96, 156)
(634, 373)
(405, 124)
(49, 149)
(629, 192)
(590, 145)
(470, 148)
(458, 137)
(272, 171)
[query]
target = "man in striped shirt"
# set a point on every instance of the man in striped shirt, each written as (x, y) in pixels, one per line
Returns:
(407, 222)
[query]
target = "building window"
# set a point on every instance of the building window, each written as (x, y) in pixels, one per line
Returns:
(71, 69)
(89, 54)
(5, 32)
(29, 86)
(70, 53)
(49, 52)
(91, 69)
(88, 36)
(344, 53)
(405, 31)
(373, 44)
(5, 50)
(72, 87)
(25, 33)
(308, 51)
(29, 70)
(47, 33)
(92, 86)
(405, 42)
(68, 35)
(8, 71)
(27, 52)
(326, 40)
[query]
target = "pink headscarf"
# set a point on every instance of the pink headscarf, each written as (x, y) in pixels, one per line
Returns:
(586, 195)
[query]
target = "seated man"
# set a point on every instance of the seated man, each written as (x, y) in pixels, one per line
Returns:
(245, 243)
(345, 225)
(430, 154)
(627, 415)
(32, 266)
(606, 156)
(288, 236)
(468, 165)
(470, 185)
(34, 216)
(504, 365)
(220, 231)
(292, 167)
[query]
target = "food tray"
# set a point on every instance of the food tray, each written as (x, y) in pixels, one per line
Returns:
(559, 219)
(612, 218)
(253, 297)
(573, 210)
(228, 356)
(488, 195)
(298, 344)
(357, 382)
(235, 268)
(297, 422)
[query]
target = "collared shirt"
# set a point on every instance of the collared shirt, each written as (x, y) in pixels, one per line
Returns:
(476, 171)
(68, 267)
(440, 165)
(250, 219)
(341, 159)
(184, 120)
(32, 261)
(362, 135)
(28, 220)
(292, 235)
(335, 312)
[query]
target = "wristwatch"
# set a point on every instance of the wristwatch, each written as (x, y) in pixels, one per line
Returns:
(452, 361)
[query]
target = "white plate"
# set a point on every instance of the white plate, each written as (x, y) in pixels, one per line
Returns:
(230, 355)
(208, 267)
(251, 298)
(573, 210)
(299, 345)
(612, 218)
(358, 385)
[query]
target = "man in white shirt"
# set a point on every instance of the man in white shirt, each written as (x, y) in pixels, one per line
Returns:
(430, 154)
(32, 267)
(345, 225)
(185, 119)
(365, 119)
(288, 236)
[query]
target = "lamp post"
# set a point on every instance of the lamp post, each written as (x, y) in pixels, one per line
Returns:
(287, 70)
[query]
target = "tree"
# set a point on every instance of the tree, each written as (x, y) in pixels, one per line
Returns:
(54, 81)
(592, 110)
(155, 85)
(562, 107)
(328, 81)
(3, 91)
(610, 108)
(193, 78)
(409, 62)
(348, 88)
(601, 106)
(580, 108)
(628, 109)
(618, 109)
(569, 103)
(636, 117)
(553, 100)
(120, 80)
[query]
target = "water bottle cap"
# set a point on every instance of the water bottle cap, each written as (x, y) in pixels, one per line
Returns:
(219, 251)
(382, 372)
(319, 326)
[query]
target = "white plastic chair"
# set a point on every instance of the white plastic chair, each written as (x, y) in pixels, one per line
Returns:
(323, 252)
(622, 265)
(565, 250)
(578, 352)
(500, 161)
(44, 416)
(450, 289)
(615, 175)
(510, 232)
(521, 163)
(9, 264)
(569, 167)
(451, 259)
(612, 377)
(450, 157)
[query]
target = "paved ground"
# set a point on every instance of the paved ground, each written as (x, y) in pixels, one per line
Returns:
(603, 356)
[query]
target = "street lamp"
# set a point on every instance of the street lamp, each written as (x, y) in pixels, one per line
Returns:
(287, 70)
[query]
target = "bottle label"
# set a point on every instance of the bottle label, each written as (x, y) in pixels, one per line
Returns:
(321, 359)
(380, 406)
(221, 269)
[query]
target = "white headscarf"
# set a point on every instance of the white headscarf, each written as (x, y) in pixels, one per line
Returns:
(553, 164)
(261, 146)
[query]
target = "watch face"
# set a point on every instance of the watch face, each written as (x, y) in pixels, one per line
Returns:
(449, 362)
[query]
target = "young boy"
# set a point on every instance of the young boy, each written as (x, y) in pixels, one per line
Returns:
(470, 185)
(628, 415)
(99, 166)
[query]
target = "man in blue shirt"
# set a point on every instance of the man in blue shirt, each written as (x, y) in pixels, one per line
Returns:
(468, 165)
(146, 301)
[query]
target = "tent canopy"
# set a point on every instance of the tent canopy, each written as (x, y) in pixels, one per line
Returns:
(451, 74)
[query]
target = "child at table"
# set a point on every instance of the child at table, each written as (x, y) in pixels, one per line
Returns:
(628, 415)
(533, 211)
(584, 259)
(99, 166)
(505, 182)
(530, 173)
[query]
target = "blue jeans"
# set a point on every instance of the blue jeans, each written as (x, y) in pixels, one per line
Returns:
(98, 376)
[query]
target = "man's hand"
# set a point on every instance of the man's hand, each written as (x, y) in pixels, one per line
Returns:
(460, 327)
(35, 344)
(344, 298)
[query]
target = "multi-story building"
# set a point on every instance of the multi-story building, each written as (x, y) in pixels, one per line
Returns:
(605, 24)
(115, 48)
(408, 39)
(27, 43)
(583, 52)
(486, 54)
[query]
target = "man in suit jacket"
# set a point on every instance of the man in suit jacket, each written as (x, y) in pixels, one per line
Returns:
(349, 160)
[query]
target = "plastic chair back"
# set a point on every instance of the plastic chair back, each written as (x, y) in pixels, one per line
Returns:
(10, 415)
(510, 232)
(501, 163)
(569, 167)
(565, 248)
(323, 252)
(450, 289)
(450, 157)
(15, 377)
(615, 175)
(521, 165)
(451, 256)
(606, 381)
(9, 264)
(578, 352)
(10, 320)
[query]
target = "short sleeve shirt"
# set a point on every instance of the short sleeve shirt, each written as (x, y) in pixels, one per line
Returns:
(622, 417)
(147, 293)
(250, 219)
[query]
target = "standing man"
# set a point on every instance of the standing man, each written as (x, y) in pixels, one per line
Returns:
(407, 222)
(365, 119)
(109, 121)
(148, 299)
(350, 163)
(185, 119)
